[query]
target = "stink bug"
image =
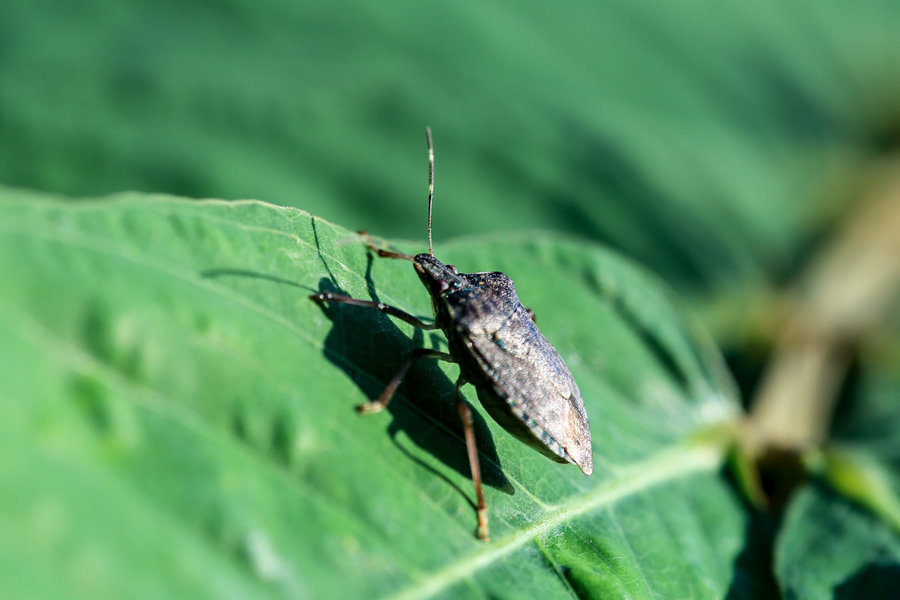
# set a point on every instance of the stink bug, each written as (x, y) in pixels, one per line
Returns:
(520, 378)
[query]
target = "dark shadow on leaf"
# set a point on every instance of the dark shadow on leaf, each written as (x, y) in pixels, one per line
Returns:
(876, 580)
(369, 347)
(753, 573)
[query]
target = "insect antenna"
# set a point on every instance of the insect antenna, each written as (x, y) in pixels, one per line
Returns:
(430, 184)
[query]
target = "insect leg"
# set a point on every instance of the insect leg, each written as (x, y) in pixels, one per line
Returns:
(381, 251)
(386, 309)
(465, 413)
(381, 402)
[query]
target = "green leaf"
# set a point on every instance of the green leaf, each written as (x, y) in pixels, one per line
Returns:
(830, 547)
(840, 537)
(176, 418)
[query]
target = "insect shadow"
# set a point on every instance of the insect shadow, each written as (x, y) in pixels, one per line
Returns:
(369, 347)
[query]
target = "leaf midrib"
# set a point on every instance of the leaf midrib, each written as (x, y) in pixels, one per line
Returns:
(666, 465)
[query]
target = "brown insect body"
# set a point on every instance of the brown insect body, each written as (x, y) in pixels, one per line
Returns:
(519, 376)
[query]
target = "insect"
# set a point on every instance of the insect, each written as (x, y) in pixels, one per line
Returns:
(518, 375)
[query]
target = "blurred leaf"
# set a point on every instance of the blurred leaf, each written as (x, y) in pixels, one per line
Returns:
(832, 548)
(177, 418)
(708, 141)
(859, 477)
(840, 538)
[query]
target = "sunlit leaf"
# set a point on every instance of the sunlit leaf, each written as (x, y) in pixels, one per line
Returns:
(177, 418)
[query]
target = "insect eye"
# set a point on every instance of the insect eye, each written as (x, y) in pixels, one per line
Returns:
(453, 268)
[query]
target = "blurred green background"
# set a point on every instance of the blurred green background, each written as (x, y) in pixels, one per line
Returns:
(711, 141)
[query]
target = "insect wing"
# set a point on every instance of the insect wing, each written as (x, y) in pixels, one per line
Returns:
(528, 372)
